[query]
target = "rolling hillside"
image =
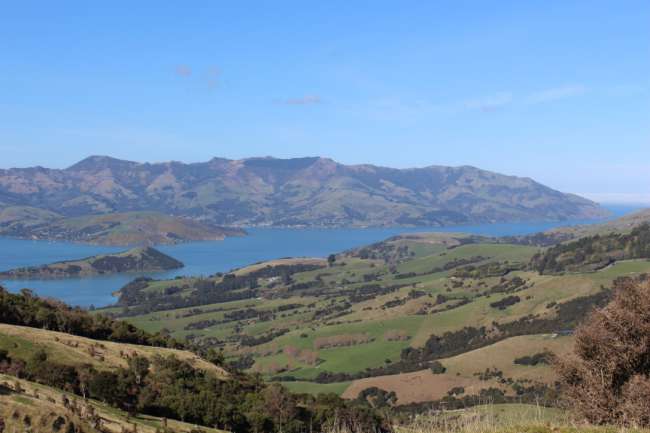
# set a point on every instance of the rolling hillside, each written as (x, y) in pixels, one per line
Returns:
(290, 192)
(30, 407)
(74, 350)
(429, 316)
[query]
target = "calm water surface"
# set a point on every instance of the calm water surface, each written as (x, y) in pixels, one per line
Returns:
(205, 258)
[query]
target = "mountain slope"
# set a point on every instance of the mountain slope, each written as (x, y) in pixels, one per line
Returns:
(128, 228)
(144, 259)
(291, 192)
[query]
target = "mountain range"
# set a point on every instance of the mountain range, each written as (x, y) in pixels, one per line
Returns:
(309, 191)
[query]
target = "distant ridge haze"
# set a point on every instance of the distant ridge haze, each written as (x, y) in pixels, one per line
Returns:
(309, 191)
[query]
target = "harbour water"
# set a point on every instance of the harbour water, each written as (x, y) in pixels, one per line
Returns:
(205, 258)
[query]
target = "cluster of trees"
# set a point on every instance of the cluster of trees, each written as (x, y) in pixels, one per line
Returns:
(148, 258)
(204, 291)
(538, 394)
(452, 264)
(459, 261)
(171, 388)
(44, 271)
(452, 343)
(248, 313)
(491, 269)
(594, 252)
(541, 239)
(368, 291)
(332, 310)
(538, 358)
(506, 285)
(342, 340)
(386, 251)
(250, 341)
(506, 302)
(378, 397)
(437, 368)
(26, 309)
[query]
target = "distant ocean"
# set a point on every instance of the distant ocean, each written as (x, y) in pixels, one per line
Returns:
(205, 258)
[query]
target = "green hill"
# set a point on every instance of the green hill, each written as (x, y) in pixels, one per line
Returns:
(595, 252)
(388, 314)
(144, 259)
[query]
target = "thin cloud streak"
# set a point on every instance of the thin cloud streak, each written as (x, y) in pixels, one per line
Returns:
(556, 94)
(414, 109)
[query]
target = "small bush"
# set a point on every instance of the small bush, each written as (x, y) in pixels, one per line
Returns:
(538, 358)
(437, 368)
(606, 378)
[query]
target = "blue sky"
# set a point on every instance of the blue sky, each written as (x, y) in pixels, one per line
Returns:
(554, 90)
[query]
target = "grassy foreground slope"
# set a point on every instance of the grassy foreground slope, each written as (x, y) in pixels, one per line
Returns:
(28, 406)
(24, 342)
(97, 358)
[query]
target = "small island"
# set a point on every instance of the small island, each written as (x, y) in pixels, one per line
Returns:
(142, 259)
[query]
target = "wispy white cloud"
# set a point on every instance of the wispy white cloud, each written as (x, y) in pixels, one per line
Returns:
(556, 93)
(416, 109)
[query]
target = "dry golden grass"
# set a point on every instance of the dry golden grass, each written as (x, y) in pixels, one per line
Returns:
(27, 406)
(461, 371)
(501, 418)
(75, 350)
(279, 262)
(501, 355)
(418, 386)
